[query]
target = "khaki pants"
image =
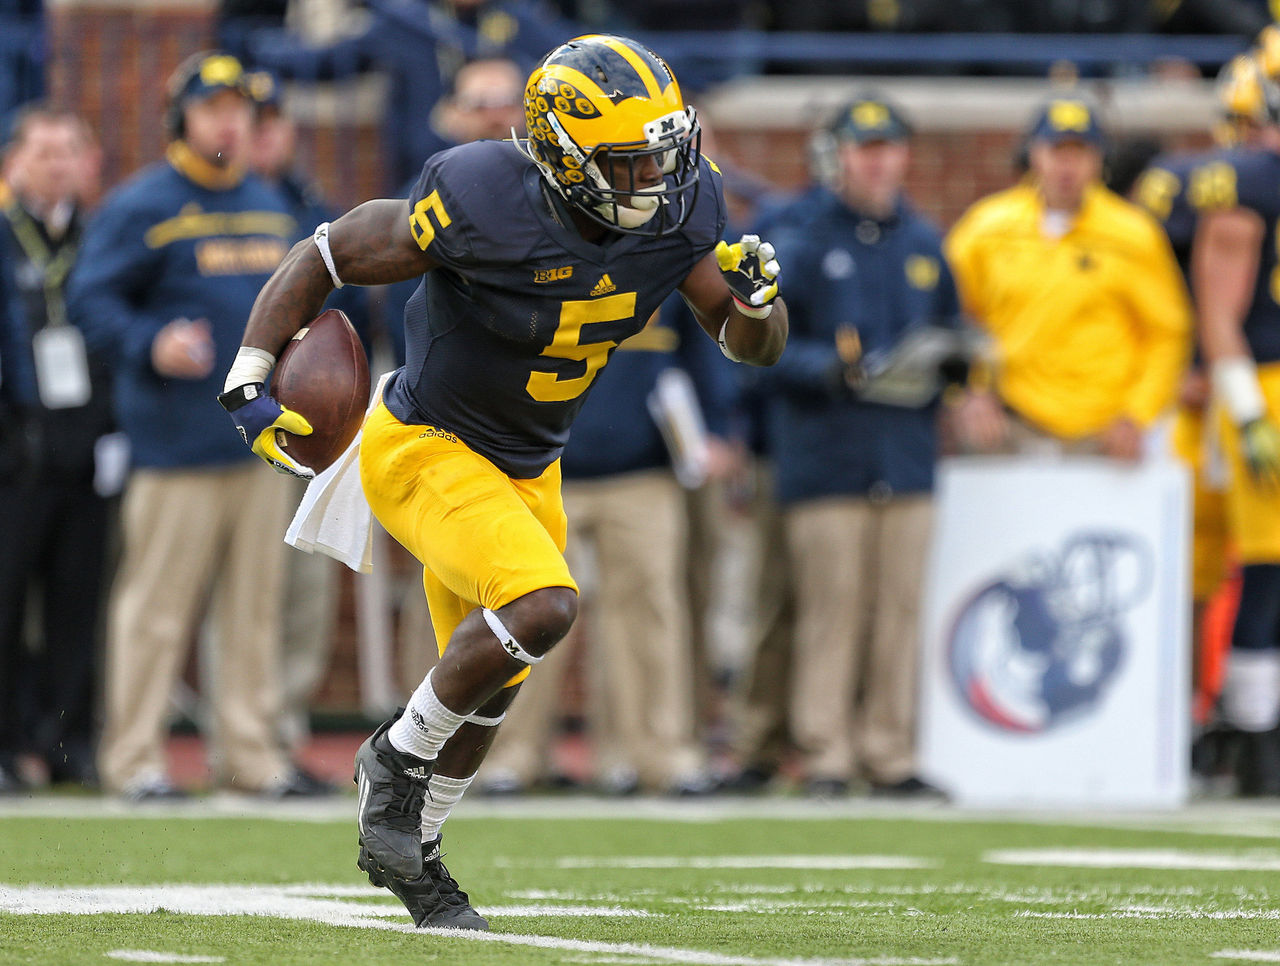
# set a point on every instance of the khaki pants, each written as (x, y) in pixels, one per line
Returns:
(311, 588)
(762, 696)
(638, 635)
(197, 538)
(859, 568)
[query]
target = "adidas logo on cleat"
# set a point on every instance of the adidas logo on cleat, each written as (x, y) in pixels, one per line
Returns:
(418, 774)
(604, 286)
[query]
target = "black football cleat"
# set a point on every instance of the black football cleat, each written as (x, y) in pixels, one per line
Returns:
(391, 788)
(432, 898)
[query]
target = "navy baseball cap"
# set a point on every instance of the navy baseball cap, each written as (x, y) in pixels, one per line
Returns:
(265, 89)
(869, 117)
(205, 74)
(1068, 118)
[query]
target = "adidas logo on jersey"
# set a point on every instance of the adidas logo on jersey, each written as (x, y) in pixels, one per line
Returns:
(604, 286)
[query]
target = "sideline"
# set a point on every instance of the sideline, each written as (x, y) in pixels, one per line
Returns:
(1230, 818)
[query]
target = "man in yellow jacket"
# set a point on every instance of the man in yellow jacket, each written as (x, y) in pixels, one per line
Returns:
(1082, 295)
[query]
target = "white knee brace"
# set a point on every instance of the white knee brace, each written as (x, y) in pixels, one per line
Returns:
(507, 639)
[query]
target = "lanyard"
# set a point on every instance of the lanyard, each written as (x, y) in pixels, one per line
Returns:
(54, 267)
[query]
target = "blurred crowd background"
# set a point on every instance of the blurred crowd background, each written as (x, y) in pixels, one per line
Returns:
(704, 659)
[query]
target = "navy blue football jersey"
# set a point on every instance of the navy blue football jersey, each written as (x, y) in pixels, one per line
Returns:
(504, 339)
(1249, 178)
(1162, 190)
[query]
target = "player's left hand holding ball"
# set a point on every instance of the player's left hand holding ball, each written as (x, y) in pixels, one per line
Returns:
(751, 270)
(257, 416)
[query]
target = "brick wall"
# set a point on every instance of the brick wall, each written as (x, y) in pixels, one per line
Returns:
(948, 170)
(111, 64)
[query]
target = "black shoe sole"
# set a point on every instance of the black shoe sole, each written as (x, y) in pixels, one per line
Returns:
(383, 879)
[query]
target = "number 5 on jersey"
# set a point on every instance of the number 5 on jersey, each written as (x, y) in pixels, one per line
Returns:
(424, 232)
(567, 343)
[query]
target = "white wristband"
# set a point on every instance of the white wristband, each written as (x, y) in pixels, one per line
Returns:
(724, 346)
(1235, 382)
(250, 365)
(753, 311)
(321, 238)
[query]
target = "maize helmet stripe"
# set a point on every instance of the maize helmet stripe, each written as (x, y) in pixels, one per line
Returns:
(1267, 52)
(644, 67)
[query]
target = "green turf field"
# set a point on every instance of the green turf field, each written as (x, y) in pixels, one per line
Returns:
(577, 881)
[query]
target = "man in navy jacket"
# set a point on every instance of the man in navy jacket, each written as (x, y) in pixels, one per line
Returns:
(855, 477)
(168, 272)
(55, 408)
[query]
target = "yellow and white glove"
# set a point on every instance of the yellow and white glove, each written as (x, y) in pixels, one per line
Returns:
(257, 416)
(1260, 439)
(751, 270)
(1235, 382)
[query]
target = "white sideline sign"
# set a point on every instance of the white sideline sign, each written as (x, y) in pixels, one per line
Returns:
(1055, 665)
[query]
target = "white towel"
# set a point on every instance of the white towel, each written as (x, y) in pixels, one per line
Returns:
(334, 517)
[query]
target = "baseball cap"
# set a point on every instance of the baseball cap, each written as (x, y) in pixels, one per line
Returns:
(1068, 118)
(265, 89)
(869, 117)
(206, 73)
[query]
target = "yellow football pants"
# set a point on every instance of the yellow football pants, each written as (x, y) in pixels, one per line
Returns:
(483, 538)
(1209, 533)
(1253, 509)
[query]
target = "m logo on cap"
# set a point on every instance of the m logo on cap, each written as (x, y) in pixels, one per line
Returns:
(870, 114)
(222, 69)
(1068, 116)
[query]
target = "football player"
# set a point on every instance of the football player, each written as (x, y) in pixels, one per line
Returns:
(1235, 281)
(539, 257)
(1163, 190)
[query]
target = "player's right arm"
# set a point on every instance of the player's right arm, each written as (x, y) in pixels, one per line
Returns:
(370, 245)
(373, 244)
(1224, 268)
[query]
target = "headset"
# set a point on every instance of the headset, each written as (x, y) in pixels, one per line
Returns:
(207, 69)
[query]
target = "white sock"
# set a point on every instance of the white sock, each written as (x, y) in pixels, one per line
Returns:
(426, 723)
(1251, 691)
(443, 793)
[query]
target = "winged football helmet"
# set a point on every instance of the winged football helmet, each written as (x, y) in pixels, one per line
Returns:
(1247, 95)
(600, 99)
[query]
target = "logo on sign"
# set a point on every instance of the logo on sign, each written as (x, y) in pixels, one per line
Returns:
(1038, 645)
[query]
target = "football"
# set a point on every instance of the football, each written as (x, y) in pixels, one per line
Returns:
(323, 374)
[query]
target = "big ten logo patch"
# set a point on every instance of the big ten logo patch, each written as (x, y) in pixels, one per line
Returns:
(543, 275)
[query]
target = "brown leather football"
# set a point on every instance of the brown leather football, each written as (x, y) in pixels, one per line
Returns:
(324, 375)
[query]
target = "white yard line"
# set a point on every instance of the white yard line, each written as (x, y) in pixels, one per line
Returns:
(571, 911)
(1225, 915)
(153, 956)
(319, 905)
(745, 862)
(1248, 955)
(1138, 859)
(1236, 818)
